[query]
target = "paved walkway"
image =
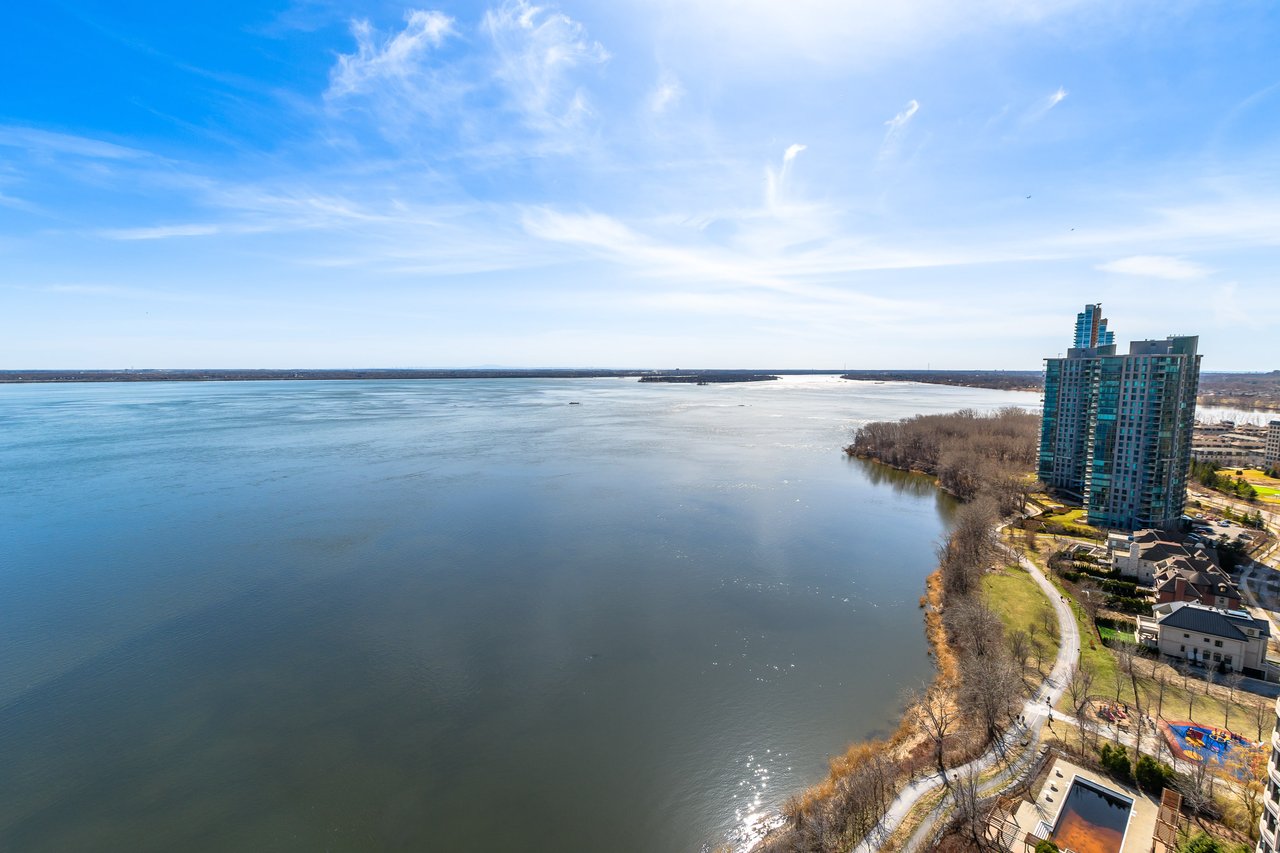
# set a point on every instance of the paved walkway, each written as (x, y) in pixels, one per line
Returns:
(1035, 712)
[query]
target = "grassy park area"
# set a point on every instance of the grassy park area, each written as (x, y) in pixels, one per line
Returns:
(1268, 488)
(1160, 687)
(1062, 520)
(1021, 605)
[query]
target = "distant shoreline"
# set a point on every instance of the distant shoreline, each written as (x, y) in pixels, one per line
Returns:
(681, 376)
(1232, 390)
(1249, 391)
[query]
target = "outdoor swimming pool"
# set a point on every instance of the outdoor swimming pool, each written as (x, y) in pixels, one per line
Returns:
(1092, 819)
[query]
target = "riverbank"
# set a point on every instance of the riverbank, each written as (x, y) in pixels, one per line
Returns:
(864, 780)
(978, 677)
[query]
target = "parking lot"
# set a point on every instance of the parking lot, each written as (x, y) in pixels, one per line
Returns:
(1210, 527)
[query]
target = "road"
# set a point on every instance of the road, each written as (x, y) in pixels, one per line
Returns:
(1264, 564)
(1035, 713)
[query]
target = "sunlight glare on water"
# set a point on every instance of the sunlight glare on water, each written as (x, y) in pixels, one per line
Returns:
(354, 615)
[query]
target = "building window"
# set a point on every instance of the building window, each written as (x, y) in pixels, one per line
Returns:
(1218, 643)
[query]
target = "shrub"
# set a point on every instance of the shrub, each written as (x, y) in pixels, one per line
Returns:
(1122, 588)
(1044, 845)
(1128, 605)
(1115, 760)
(1151, 775)
(1202, 843)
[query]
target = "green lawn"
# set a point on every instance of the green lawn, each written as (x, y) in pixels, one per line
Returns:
(1268, 488)
(1074, 521)
(1013, 594)
(1099, 660)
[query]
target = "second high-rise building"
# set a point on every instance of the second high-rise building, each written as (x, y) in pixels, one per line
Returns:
(1116, 432)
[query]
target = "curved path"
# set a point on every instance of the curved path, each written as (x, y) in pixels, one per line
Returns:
(1035, 713)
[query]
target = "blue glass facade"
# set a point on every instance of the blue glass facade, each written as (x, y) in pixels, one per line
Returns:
(1116, 431)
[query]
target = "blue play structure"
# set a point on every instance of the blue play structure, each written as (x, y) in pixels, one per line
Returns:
(1203, 743)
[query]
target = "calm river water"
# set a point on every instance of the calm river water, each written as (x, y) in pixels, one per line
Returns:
(456, 615)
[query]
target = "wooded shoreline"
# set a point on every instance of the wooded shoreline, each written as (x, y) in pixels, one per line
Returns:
(985, 461)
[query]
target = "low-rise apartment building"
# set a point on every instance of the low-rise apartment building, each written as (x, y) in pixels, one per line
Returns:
(1196, 578)
(1230, 445)
(1228, 639)
(1144, 553)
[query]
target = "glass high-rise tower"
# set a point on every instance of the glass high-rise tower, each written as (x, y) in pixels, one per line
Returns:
(1116, 431)
(1091, 328)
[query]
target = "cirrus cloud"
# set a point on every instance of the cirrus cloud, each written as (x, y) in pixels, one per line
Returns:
(397, 57)
(1156, 266)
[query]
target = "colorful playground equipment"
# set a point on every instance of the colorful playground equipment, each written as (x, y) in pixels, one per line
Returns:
(1193, 741)
(1114, 714)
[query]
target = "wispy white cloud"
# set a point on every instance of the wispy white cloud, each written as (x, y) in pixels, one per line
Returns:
(1229, 311)
(765, 35)
(16, 203)
(1155, 266)
(776, 181)
(536, 51)
(161, 232)
(115, 291)
(35, 140)
(396, 58)
(896, 128)
(1045, 104)
(667, 93)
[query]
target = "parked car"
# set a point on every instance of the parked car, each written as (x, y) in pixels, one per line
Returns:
(1224, 523)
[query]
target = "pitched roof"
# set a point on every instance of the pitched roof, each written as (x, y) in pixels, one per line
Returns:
(1170, 571)
(1207, 620)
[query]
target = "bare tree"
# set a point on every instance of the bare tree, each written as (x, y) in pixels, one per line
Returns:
(1197, 787)
(1049, 620)
(938, 719)
(858, 801)
(1232, 680)
(1019, 643)
(1262, 717)
(1161, 683)
(1129, 662)
(1079, 683)
(1184, 669)
(1079, 686)
(974, 626)
(990, 689)
(1091, 598)
(970, 815)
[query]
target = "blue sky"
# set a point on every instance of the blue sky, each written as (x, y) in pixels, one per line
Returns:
(811, 183)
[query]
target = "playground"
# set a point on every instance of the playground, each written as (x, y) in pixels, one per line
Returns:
(1191, 741)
